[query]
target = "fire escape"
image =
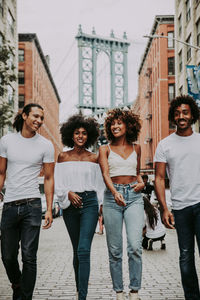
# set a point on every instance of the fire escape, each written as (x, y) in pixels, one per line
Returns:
(148, 118)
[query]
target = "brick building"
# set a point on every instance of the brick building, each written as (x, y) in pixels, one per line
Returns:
(37, 85)
(156, 87)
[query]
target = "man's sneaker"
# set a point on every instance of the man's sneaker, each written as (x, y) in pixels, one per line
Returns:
(133, 296)
(16, 292)
(120, 296)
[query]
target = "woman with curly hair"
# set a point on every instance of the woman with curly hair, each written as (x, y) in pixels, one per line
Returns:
(78, 185)
(120, 165)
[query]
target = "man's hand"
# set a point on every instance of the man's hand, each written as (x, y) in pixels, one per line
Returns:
(168, 219)
(48, 220)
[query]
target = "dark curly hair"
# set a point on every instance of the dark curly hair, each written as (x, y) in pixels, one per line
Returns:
(131, 120)
(78, 121)
(184, 99)
(150, 212)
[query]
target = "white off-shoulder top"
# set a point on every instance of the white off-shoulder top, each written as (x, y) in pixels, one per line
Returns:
(77, 176)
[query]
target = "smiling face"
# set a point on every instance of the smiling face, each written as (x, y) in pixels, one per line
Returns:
(118, 128)
(34, 120)
(183, 118)
(80, 137)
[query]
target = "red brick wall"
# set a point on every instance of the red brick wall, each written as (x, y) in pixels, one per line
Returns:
(38, 89)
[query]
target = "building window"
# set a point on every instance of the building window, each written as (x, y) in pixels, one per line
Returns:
(188, 41)
(181, 90)
(171, 69)
(171, 92)
(188, 10)
(180, 61)
(170, 39)
(198, 32)
(21, 79)
(1, 7)
(11, 22)
(180, 25)
(21, 55)
(21, 101)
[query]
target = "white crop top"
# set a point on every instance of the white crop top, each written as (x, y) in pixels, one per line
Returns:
(118, 166)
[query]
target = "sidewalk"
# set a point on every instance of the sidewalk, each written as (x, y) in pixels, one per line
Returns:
(55, 279)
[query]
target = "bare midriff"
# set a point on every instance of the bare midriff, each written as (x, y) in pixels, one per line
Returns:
(123, 179)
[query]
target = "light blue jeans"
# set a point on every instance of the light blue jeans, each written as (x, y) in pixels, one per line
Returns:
(133, 216)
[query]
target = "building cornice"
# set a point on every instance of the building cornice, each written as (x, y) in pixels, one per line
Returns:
(159, 19)
(32, 37)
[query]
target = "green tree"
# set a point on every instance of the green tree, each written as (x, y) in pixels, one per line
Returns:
(7, 76)
(6, 113)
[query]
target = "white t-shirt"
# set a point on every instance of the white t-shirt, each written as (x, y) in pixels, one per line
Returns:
(159, 229)
(182, 156)
(25, 157)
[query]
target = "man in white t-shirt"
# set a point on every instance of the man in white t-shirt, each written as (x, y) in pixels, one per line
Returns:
(179, 155)
(22, 155)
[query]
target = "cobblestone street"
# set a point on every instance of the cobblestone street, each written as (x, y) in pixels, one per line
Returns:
(55, 280)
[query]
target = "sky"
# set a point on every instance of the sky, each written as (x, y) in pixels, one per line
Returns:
(56, 25)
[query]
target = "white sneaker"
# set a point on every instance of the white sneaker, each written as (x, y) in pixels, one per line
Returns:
(134, 296)
(120, 296)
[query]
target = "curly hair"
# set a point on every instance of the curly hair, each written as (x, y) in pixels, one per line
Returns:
(130, 119)
(184, 99)
(150, 212)
(78, 121)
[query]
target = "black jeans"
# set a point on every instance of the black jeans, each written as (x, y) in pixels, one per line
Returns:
(187, 222)
(21, 223)
(81, 224)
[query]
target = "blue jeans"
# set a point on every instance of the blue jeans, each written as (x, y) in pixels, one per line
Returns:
(21, 223)
(133, 216)
(187, 223)
(81, 224)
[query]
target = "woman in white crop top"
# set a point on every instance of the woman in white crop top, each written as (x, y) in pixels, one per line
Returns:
(120, 165)
(78, 184)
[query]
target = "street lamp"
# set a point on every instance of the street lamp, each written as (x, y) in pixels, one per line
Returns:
(167, 37)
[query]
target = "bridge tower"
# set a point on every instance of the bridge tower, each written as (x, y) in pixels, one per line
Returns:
(90, 45)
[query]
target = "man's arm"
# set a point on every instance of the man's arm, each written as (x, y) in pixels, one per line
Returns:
(48, 169)
(167, 217)
(3, 167)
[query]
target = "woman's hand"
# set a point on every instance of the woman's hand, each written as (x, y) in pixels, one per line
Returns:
(138, 186)
(75, 199)
(119, 199)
